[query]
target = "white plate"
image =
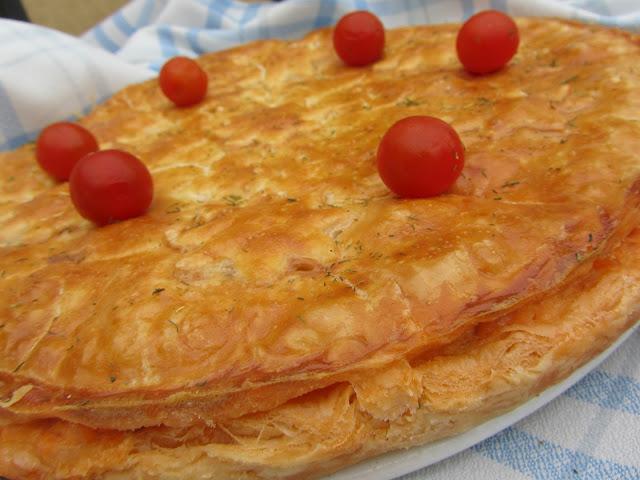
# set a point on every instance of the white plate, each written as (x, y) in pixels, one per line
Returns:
(395, 464)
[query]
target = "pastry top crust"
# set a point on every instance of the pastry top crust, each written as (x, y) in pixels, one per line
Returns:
(474, 378)
(273, 252)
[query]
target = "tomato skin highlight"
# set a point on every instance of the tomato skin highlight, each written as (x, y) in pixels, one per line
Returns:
(61, 145)
(487, 42)
(358, 38)
(110, 186)
(420, 157)
(183, 81)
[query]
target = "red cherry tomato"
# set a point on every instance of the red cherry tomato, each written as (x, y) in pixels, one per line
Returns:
(420, 157)
(110, 185)
(183, 81)
(359, 38)
(61, 145)
(487, 41)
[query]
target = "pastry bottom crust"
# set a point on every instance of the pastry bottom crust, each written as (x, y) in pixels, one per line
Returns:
(493, 368)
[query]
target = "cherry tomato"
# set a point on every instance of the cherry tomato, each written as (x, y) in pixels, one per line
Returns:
(487, 41)
(61, 145)
(359, 38)
(183, 81)
(110, 185)
(420, 157)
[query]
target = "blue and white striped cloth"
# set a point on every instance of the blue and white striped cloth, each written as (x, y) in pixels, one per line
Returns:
(590, 432)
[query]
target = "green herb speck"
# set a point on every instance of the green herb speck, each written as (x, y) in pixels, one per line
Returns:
(408, 102)
(233, 200)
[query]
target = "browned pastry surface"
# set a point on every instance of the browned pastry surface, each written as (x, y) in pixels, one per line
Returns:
(274, 262)
(491, 369)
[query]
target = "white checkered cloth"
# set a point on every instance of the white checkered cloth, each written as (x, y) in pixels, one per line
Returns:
(590, 432)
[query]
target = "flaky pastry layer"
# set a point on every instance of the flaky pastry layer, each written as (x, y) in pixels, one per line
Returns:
(491, 369)
(273, 261)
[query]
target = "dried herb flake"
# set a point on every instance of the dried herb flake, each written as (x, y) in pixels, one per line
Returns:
(409, 102)
(512, 183)
(233, 200)
(570, 79)
(175, 325)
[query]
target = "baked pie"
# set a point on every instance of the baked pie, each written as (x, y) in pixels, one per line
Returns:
(278, 313)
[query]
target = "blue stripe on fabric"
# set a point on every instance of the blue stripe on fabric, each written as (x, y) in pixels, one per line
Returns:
(145, 13)
(250, 12)
(543, 460)
(325, 14)
(468, 8)
(18, 141)
(156, 66)
(192, 39)
(216, 13)
(122, 24)
(104, 40)
(614, 392)
(10, 123)
(361, 4)
(167, 42)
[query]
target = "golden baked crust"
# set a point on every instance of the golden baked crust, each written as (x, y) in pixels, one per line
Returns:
(273, 254)
(490, 370)
(274, 263)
